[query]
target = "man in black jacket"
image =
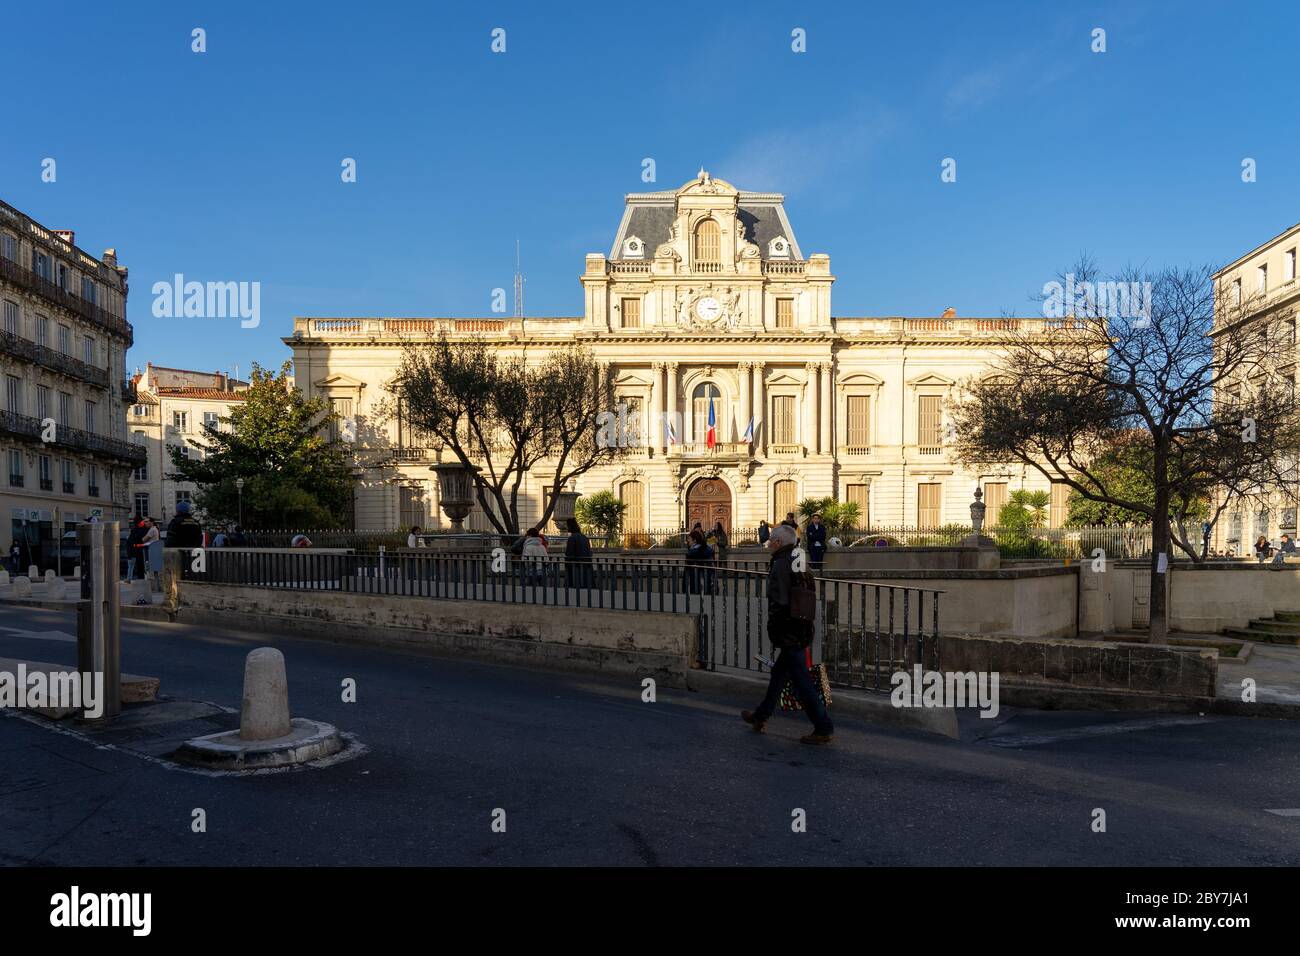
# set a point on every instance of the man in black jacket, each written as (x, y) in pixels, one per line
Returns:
(577, 556)
(792, 638)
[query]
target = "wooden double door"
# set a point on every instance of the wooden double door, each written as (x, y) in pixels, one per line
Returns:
(708, 501)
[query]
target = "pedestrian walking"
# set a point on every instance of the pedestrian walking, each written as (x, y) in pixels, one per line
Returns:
(791, 636)
(699, 559)
(720, 543)
(151, 546)
(577, 556)
(413, 539)
(135, 554)
(764, 532)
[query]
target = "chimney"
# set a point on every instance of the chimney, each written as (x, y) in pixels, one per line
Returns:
(110, 258)
(67, 235)
(949, 313)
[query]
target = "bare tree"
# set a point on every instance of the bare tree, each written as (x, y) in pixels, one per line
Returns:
(1163, 363)
(509, 415)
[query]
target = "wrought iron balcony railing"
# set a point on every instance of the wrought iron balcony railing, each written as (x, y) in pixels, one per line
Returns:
(22, 348)
(39, 285)
(24, 426)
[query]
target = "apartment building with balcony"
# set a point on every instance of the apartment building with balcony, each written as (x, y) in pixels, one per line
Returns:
(63, 343)
(1262, 284)
(705, 299)
(171, 408)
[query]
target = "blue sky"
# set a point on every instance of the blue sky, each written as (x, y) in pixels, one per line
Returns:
(226, 165)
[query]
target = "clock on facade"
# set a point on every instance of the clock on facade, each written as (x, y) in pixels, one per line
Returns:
(708, 309)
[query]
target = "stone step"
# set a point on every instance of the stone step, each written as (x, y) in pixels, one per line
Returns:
(1262, 636)
(1272, 624)
(1291, 617)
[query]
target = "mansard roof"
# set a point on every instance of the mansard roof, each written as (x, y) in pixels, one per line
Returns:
(649, 216)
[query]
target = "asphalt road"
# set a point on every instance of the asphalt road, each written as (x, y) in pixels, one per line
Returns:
(589, 774)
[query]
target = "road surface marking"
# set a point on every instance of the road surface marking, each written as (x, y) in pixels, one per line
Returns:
(40, 635)
(1092, 730)
(1293, 812)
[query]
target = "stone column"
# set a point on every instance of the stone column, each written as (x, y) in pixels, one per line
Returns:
(746, 392)
(827, 439)
(810, 408)
(655, 420)
(672, 400)
(759, 408)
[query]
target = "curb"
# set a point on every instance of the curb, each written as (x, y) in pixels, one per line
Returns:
(855, 703)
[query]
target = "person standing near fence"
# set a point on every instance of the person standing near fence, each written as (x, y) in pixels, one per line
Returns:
(577, 556)
(698, 558)
(816, 537)
(792, 638)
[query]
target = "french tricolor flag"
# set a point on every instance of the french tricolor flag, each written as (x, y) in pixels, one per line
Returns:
(711, 436)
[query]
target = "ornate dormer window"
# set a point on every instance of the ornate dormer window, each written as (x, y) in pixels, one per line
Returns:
(633, 248)
(708, 246)
(778, 248)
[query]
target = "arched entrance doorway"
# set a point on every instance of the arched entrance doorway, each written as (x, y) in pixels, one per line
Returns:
(708, 501)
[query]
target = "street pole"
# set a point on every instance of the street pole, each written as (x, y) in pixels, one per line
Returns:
(99, 641)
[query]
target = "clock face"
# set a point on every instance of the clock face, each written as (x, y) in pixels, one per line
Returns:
(708, 308)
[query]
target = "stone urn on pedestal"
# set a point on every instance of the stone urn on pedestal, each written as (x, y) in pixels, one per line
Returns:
(566, 503)
(456, 496)
(977, 540)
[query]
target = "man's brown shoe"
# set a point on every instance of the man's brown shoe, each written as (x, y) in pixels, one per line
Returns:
(748, 717)
(817, 739)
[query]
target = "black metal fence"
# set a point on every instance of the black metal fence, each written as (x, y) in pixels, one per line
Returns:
(863, 632)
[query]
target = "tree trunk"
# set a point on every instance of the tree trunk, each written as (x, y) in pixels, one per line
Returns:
(1159, 549)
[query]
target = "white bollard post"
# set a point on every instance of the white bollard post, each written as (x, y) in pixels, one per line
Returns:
(50, 576)
(4, 578)
(22, 587)
(33, 573)
(264, 713)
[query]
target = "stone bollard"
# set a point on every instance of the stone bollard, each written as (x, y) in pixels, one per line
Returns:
(76, 573)
(4, 578)
(33, 573)
(50, 576)
(171, 579)
(22, 587)
(264, 714)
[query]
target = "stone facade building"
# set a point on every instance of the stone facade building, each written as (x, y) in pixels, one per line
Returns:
(63, 346)
(172, 405)
(1263, 281)
(706, 296)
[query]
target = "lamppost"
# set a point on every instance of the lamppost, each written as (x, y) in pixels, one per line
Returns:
(239, 486)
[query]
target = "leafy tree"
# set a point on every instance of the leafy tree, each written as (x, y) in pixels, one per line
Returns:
(602, 511)
(294, 476)
(1192, 373)
(508, 416)
(1127, 468)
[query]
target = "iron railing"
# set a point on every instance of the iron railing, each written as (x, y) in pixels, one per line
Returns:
(52, 292)
(56, 361)
(24, 426)
(863, 632)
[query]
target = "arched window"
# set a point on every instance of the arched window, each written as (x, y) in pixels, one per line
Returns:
(708, 244)
(704, 392)
(785, 499)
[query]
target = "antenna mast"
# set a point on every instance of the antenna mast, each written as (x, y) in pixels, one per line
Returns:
(519, 285)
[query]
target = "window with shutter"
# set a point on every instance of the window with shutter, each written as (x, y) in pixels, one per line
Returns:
(859, 425)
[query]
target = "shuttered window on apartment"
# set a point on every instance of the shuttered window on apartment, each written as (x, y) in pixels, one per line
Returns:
(785, 313)
(1060, 504)
(928, 505)
(785, 498)
(783, 420)
(631, 313)
(929, 426)
(632, 494)
(995, 496)
(860, 495)
(859, 425)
